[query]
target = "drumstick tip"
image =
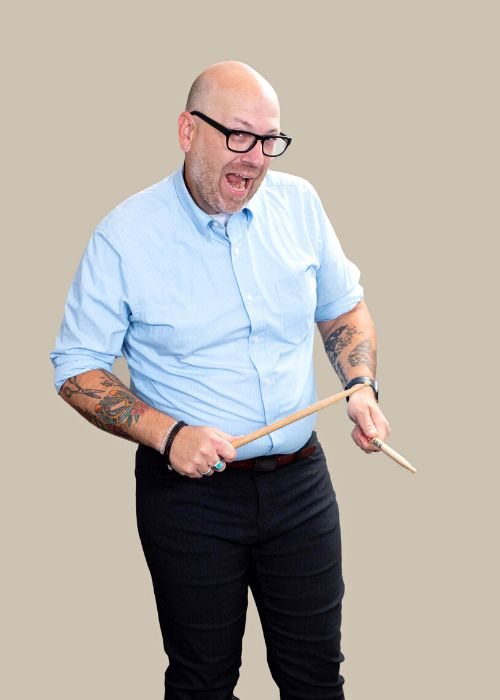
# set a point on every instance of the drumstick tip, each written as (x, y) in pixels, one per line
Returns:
(390, 452)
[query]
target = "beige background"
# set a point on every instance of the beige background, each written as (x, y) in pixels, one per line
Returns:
(394, 111)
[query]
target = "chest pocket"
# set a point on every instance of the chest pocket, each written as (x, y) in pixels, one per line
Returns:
(296, 304)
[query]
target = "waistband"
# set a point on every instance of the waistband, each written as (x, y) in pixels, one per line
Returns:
(149, 459)
(272, 462)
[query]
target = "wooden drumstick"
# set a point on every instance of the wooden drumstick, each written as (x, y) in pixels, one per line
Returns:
(313, 408)
(393, 454)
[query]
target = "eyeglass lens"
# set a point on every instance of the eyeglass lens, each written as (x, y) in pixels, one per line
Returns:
(244, 142)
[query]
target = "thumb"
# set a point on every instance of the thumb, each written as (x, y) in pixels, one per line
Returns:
(367, 426)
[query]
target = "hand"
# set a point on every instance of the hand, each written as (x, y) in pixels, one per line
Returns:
(364, 410)
(194, 449)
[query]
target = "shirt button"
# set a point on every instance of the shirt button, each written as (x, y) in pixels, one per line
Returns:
(267, 381)
(249, 297)
(236, 251)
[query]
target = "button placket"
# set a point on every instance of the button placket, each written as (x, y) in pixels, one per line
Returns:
(250, 298)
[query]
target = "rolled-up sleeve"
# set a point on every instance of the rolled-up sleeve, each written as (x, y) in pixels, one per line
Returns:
(338, 288)
(96, 314)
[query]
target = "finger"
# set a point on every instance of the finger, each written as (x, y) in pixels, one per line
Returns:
(207, 472)
(382, 425)
(366, 424)
(219, 465)
(191, 474)
(226, 450)
(194, 470)
(360, 444)
(213, 460)
(362, 441)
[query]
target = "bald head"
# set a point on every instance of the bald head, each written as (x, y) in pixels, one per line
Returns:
(232, 96)
(229, 80)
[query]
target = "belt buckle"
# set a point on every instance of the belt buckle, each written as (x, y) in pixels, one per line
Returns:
(265, 464)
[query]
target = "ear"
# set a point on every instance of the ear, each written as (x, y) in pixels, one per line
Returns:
(185, 128)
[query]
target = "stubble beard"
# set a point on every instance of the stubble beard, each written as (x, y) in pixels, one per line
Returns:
(207, 187)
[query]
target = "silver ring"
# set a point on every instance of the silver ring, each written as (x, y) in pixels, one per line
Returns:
(208, 472)
(220, 465)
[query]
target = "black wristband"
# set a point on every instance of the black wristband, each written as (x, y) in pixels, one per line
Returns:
(180, 424)
(362, 380)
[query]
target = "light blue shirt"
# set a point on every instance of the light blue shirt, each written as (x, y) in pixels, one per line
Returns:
(216, 325)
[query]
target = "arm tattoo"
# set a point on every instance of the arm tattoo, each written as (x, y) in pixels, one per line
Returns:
(363, 354)
(114, 429)
(335, 343)
(72, 387)
(116, 409)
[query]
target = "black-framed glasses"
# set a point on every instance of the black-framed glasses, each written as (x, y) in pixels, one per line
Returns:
(243, 141)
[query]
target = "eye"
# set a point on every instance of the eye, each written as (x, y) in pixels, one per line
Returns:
(240, 141)
(239, 136)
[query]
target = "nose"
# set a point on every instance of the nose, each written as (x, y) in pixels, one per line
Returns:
(255, 156)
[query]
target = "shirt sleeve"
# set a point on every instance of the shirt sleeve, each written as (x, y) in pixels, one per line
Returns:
(96, 314)
(338, 288)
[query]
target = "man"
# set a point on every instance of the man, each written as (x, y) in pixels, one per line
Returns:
(209, 283)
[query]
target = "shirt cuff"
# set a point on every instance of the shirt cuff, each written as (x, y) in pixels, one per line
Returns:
(331, 311)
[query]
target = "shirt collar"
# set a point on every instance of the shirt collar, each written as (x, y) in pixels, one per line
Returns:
(200, 218)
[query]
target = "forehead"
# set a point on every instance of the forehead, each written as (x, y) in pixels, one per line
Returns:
(259, 124)
(252, 112)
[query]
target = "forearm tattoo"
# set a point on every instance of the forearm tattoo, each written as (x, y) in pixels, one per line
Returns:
(116, 408)
(71, 387)
(362, 354)
(335, 343)
(102, 425)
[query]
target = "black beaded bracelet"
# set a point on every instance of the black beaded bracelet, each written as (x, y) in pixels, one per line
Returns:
(180, 424)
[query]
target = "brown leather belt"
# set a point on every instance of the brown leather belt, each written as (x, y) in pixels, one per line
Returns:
(272, 462)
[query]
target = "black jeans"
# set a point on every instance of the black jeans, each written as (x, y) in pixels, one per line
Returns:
(206, 540)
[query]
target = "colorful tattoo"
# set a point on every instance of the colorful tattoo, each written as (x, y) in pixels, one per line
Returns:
(113, 429)
(116, 409)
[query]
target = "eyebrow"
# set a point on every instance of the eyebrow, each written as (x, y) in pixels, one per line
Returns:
(273, 132)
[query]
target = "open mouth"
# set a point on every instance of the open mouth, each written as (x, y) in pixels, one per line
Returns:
(238, 183)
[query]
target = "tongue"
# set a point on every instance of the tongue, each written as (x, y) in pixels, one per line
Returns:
(234, 179)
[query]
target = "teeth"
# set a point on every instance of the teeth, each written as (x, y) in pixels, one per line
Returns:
(240, 185)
